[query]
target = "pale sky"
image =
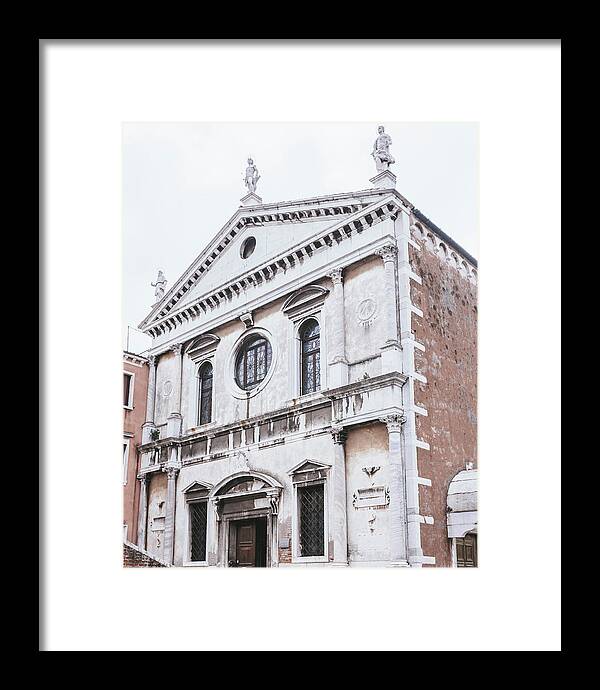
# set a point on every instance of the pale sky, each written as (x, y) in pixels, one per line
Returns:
(183, 181)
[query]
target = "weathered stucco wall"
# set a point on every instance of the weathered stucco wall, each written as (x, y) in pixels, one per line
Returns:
(157, 497)
(448, 330)
(368, 538)
(363, 340)
(363, 289)
(275, 461)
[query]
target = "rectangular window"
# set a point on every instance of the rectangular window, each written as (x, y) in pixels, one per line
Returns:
(127, 390)
(125, 460)
(198, 514)
(311, 509)
(466, 551)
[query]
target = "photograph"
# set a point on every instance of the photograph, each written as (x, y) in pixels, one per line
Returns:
(300, 385)
(298, 310)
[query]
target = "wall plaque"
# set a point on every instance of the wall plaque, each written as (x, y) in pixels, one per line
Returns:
(374, 496)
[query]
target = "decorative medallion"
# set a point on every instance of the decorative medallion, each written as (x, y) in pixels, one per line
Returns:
(167, 388)
(366, 310)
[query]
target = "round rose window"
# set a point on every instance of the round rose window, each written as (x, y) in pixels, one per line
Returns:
(252, 362)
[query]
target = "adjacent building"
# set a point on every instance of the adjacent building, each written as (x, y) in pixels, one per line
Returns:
(311, 393)
(135, 393)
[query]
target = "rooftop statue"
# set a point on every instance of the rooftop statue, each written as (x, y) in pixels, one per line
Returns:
(160, 283)
(252, 176)
(381, 150)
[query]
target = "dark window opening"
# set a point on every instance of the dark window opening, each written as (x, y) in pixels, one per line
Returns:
(198, 528)
(310, 338)
(466, 551)
(248, 247)
(127, 379)
(312, 519)
(206, 383)
(253, 362)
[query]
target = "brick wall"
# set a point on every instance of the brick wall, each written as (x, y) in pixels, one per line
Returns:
(133, 557)
(448, 330)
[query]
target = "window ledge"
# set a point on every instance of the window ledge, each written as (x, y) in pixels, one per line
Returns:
(195, 564)
(202, 427)
(310, 559)
(307, 397)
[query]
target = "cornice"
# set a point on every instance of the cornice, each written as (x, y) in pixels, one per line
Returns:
(134, 359)
(281, 413)
(444, 247)
(288, 211)
(354, 224)
(369, 384)
(249, 423)
(262, 299)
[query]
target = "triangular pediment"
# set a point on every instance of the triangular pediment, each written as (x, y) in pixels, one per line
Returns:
(275, 229)
(308, 466)
(197, 486)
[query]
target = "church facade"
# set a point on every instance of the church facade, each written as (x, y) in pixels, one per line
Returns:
(312, 390)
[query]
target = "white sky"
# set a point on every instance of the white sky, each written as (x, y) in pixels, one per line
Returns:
(183, 181)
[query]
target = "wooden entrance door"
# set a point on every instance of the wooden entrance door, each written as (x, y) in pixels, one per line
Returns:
(246, 544)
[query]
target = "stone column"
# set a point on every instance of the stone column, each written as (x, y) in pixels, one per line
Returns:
(169, 535)
(338, 364)
(390, 351)
(397, 507)
(148, 425)
(143, 510)
(340, 515)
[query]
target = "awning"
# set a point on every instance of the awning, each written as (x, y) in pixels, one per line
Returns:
(462, 504)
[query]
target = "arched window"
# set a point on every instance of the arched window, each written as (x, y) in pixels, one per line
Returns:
(310, 339)
(253, 362)
(205, 376)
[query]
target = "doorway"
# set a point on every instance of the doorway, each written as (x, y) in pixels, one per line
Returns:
(248, 543)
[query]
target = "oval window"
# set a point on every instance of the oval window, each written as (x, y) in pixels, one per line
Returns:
(248, 247)
(252, 362)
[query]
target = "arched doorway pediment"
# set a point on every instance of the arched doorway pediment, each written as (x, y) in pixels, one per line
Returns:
(244, 483)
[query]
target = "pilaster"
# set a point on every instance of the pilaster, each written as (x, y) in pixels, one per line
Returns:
(397, 506)
(143, 510)
(177, 349)
(169, 536)
(150, 400)
(212, 531)
(340, 514)
(391, 355)
(409, 431)
(338, 365)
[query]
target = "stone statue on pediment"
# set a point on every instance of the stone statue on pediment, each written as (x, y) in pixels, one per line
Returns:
(159, 285)
(252, 176)
(381, 150)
